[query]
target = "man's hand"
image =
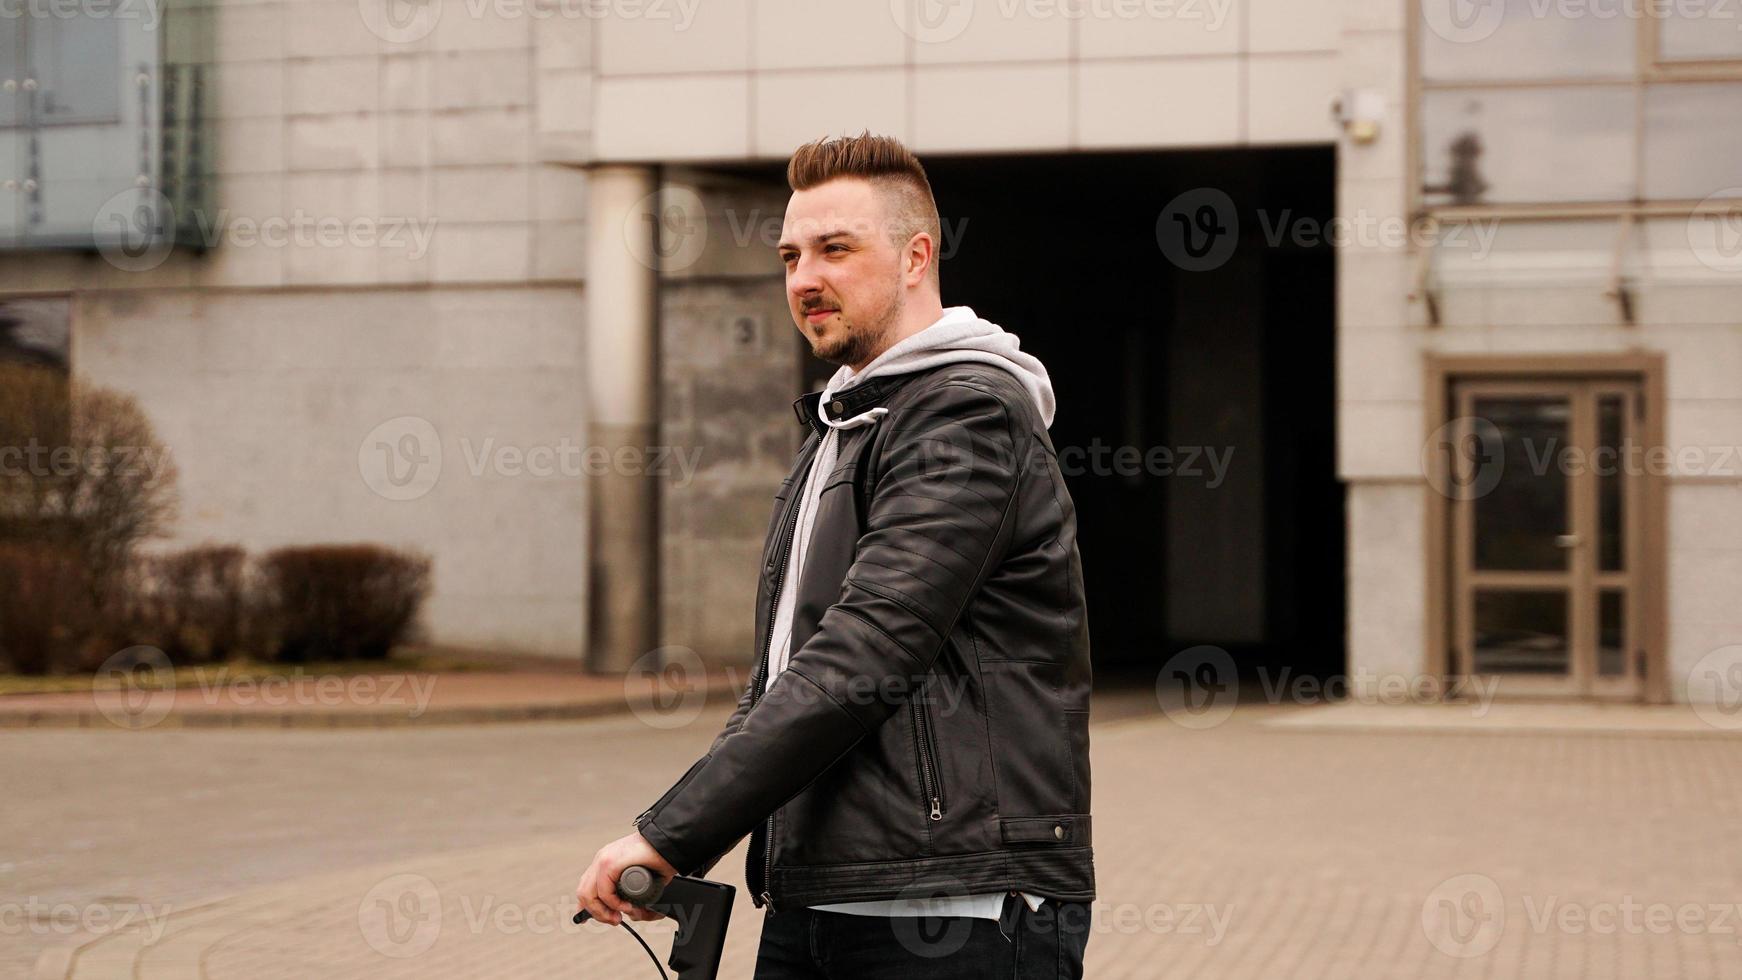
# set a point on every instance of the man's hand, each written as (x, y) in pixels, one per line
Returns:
(597, 892)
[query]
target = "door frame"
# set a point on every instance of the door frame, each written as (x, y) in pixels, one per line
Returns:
(1643, 367)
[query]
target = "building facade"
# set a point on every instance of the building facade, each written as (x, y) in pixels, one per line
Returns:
(1350, 302)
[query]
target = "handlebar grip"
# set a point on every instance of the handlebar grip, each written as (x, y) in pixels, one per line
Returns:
(637, 885)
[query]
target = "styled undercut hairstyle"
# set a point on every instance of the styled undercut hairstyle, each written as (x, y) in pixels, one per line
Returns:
(890, 167)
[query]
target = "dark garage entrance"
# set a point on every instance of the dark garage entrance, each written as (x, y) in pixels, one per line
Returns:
(1196, 397)
(1223, 522)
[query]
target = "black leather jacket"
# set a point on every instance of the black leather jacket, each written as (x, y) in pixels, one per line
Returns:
(929, 735)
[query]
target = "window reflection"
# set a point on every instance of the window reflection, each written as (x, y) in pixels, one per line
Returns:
(1537, 144)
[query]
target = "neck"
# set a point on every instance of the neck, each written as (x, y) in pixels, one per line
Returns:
(917, 314)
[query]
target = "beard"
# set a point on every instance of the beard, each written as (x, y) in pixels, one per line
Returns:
(856, 343)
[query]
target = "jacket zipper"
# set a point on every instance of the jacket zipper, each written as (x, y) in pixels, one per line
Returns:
(760, 680)
(928, 760)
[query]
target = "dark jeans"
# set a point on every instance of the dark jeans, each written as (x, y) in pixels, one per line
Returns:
(1025, 944)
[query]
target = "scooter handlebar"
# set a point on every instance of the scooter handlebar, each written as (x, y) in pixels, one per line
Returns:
(637, 885)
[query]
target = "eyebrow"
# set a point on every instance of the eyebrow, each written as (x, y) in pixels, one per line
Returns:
(819, 239)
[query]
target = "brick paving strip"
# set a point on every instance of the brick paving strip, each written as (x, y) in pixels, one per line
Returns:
(1519, 718)
(1246, 850)
(353, 700)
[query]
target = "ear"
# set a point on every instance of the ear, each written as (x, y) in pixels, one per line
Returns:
(918, 259)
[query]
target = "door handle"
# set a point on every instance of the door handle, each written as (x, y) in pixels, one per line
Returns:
(1566, 540)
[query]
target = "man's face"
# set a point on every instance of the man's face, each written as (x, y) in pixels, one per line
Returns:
(844, 281)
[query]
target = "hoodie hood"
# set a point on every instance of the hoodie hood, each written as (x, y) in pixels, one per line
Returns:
(957, 337)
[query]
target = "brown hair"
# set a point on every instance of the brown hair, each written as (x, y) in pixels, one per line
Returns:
(889, 166)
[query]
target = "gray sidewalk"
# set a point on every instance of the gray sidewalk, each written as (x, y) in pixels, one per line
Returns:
(1247, 849)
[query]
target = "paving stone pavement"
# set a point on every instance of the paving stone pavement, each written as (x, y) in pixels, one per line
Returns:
(1246, 849)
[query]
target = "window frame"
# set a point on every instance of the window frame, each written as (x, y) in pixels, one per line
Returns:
(1648, 70)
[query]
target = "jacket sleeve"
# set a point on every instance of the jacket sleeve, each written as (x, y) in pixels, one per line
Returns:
(938, 519)
(732, 724)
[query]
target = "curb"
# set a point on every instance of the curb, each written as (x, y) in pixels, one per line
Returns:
(93, 719)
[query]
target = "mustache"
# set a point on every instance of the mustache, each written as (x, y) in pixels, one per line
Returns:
(821, 304)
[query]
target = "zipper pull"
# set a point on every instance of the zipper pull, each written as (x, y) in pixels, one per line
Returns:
(768, 900)
(937, 812)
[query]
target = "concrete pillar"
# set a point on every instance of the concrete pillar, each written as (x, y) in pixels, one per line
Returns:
(623, 401)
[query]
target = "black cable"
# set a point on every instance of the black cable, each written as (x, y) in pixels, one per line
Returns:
(656, 964)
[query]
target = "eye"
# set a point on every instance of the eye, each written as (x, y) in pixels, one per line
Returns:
(836, 248)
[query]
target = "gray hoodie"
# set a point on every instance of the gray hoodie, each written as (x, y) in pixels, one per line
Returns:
(956, 337)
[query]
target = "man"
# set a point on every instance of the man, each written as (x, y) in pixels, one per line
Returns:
(911, 757)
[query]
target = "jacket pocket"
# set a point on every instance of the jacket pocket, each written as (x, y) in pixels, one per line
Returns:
(925, 738)
(1031, 751)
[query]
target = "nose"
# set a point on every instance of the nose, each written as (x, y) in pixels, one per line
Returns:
(803, 282)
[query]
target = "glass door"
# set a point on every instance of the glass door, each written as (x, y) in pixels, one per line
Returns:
(1545, 536)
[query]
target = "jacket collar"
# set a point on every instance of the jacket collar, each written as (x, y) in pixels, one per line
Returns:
(847, 404)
